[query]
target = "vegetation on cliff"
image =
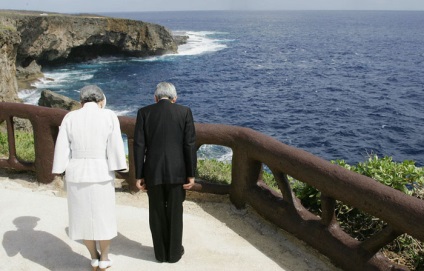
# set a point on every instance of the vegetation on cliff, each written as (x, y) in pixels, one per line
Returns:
(24, 145)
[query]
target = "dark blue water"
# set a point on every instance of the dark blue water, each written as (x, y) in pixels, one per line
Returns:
(338, 84)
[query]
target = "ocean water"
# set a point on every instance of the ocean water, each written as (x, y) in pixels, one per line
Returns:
(338, 84)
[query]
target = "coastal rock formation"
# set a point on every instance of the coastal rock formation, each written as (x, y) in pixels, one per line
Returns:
(27, 75)
(30, 40)
(179, 40)
(9, 39)
(52, 99)
(51, 38)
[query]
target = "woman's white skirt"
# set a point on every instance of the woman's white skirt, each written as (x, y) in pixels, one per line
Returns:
(91, 208)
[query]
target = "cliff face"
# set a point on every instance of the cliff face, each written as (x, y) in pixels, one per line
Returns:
(57, 38)
(9, 39)
(29, 39)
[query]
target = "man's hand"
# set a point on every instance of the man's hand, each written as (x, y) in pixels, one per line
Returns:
(190, 183)
(141, 185)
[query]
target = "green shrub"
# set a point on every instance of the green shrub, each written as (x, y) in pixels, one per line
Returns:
(405, 177)
(4, 146)
(308, 195)
(269, 179)
(24, 142)
(25, 146)
(215, 171)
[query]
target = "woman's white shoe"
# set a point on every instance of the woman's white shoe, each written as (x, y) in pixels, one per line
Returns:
(95, 264)
(105, 264)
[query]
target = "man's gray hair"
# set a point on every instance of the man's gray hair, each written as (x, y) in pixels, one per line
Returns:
(91, 93)
(165, 90)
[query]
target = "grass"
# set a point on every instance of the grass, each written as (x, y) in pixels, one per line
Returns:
(24, 142)
(214, 171)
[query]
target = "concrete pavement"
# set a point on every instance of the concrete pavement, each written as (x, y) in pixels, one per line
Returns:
(216, 236)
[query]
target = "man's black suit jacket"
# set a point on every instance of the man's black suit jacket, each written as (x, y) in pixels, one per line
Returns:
(164, 144)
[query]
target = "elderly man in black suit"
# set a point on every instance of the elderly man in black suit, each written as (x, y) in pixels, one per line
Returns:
(165, 163)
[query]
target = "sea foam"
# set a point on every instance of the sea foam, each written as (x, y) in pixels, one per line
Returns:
(201, 42)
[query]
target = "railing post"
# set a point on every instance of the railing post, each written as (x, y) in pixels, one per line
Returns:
(131, 167)
(244, 175)
(11, 137)
(44, 141)
(127, 127)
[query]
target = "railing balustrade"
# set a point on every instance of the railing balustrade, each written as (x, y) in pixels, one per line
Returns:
(251, 151)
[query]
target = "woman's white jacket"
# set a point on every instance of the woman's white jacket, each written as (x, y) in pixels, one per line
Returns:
(89, 146)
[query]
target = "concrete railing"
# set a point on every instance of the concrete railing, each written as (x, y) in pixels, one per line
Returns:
(251, 151)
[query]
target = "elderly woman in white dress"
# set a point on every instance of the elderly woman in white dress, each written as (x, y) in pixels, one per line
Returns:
(89, 148)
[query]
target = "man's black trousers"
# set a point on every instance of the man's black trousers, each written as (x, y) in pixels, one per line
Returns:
(166, 220)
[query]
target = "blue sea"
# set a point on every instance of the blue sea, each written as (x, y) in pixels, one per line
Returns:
(338, 84)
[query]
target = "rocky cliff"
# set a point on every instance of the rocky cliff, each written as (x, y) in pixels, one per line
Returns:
(51, 38)
(9, 39)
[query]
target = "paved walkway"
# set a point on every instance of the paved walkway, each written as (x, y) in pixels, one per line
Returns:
(216, 235)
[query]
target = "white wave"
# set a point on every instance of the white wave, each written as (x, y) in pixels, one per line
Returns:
(226, 157)
(122, 112)
(56, 80)
(201, 42)
(62, 78)
(107, 60)
(220, 153)
(151, 58)
(198, 42)
(85, 77)
(30, 96)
